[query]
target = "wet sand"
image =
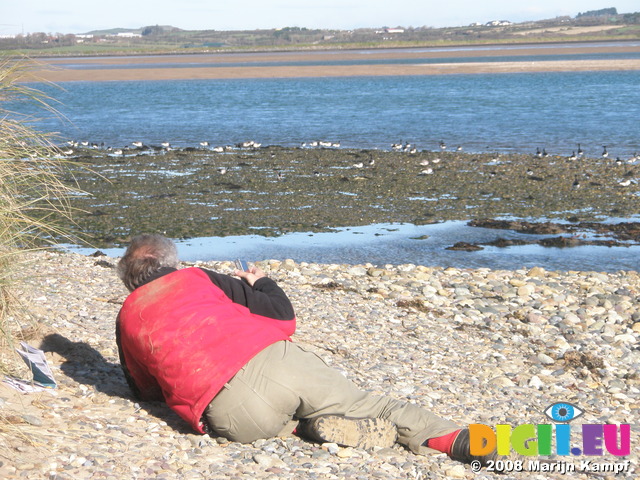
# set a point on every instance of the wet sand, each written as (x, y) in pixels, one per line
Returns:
(238, 65)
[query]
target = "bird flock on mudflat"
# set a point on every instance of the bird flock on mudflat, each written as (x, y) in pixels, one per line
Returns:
(427, 167)
(402, 146)
(579, 153)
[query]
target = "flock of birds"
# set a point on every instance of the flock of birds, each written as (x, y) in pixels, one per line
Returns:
(427, 165)
(401, 146)
(137, 146)
(252, 144)
(579, 153)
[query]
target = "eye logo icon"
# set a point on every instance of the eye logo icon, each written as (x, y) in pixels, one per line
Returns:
(563, 412)
(596, 438)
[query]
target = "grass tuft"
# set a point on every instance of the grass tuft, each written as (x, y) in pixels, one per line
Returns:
(33, 198)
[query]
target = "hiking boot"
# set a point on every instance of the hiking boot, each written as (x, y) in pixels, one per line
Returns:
(364, 433)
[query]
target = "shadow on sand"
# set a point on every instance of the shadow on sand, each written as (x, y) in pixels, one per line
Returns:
(85, 365)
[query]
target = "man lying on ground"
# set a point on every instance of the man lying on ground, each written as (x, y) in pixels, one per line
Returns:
(217, 350)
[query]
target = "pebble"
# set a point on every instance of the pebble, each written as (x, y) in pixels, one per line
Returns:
(268, 461)
(459, 471)
(545, 359)
(476, 346)
(32, 420)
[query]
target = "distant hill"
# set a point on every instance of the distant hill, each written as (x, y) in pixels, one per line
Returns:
(599, 13)
(112, 31)
(141, 30)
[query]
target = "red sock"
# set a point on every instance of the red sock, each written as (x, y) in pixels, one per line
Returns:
(443, 443)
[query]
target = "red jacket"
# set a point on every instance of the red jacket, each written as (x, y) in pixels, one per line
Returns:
(182, 338)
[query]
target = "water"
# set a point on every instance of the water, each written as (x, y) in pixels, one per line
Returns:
(481, 113)
(405, 243)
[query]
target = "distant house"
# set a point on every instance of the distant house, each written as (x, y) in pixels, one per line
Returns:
(498, 23)
(394, 30)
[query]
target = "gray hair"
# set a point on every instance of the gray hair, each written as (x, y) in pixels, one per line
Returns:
(146, 255)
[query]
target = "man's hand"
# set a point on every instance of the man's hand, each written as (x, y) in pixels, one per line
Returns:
(251, 275)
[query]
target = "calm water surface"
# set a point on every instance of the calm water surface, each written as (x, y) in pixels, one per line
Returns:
(405, 243)
(480, 113)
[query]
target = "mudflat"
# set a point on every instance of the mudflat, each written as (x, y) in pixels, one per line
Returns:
(279, 64)
(276, 190)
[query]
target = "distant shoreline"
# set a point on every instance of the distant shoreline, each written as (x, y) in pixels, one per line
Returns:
(234, 65)
(477, 47)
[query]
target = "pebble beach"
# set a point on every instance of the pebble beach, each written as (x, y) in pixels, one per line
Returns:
(476, 346)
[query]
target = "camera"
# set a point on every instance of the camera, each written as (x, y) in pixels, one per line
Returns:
(242, 265)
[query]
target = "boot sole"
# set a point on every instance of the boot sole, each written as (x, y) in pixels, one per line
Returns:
(365, 433)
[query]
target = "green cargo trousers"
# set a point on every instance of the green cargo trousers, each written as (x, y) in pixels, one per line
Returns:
(285, 382)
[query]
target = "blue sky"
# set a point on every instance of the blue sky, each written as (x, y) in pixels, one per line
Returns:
(79, 16)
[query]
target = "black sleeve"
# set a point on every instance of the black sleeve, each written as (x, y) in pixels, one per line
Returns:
(265, 298)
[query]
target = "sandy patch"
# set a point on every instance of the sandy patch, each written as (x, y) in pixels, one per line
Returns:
(278, 64)
(228, 72)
